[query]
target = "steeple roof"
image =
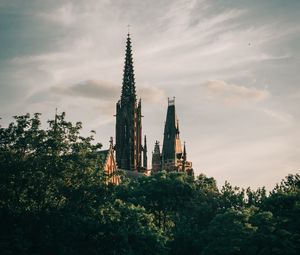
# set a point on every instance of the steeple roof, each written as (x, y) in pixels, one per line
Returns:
(145, 143)
(171, 145)
(128, 86)
(156, 148)
(184, 152)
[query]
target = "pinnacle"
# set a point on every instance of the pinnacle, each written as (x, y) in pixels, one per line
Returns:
(128, 87)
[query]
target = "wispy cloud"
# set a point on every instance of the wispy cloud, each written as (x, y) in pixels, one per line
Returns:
(151, 94)
(235, 94)
(95, 89)
(90, 89)
(63, 15)
(283, 117)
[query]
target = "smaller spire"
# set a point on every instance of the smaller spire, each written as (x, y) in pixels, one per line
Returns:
(156, 158)
(145, 142)
(156, 148)
(111, 143)
(177, 126)
(184, 158)
(145, 163)
(184, 151)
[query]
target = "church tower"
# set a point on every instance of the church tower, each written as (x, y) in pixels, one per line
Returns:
(129, 120)
(171, 151)
(172, 157)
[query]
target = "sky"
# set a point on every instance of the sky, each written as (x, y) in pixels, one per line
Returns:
(233, 67)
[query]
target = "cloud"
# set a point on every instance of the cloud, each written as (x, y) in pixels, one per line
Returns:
(151, 94)
(97, 89)
(107, 109)
(91, 89)
(235, 94)
(283, 117)
(295, 95)
(62, 15)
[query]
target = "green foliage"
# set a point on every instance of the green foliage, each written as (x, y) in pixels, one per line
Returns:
(228, 233)
(44, 169)
(129, 229)
(54, 199)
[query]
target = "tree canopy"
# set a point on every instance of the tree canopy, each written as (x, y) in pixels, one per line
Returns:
(54, 199)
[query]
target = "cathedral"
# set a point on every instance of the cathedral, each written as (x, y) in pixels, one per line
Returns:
(130, 147)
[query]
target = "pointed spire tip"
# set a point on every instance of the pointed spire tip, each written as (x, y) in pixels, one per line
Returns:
(128, 32)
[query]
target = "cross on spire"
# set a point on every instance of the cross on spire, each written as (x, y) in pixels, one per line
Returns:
(128, 27)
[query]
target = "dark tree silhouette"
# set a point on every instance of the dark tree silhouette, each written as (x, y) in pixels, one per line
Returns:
(55, 199)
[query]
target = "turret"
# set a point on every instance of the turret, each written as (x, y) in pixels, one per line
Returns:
(156, 158)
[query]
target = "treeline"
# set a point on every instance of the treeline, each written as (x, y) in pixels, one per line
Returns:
(54, 199)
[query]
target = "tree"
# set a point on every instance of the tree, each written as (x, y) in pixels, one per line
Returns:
(54, 196)
(163, 194)
(54, 199)
(284, 204)
(232, 197)
(42, 169)
(228, 233)
(128, 229)
(189, 236)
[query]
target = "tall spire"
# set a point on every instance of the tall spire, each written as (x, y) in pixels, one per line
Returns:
(128, 86)
(129, 120)
(145, 158)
